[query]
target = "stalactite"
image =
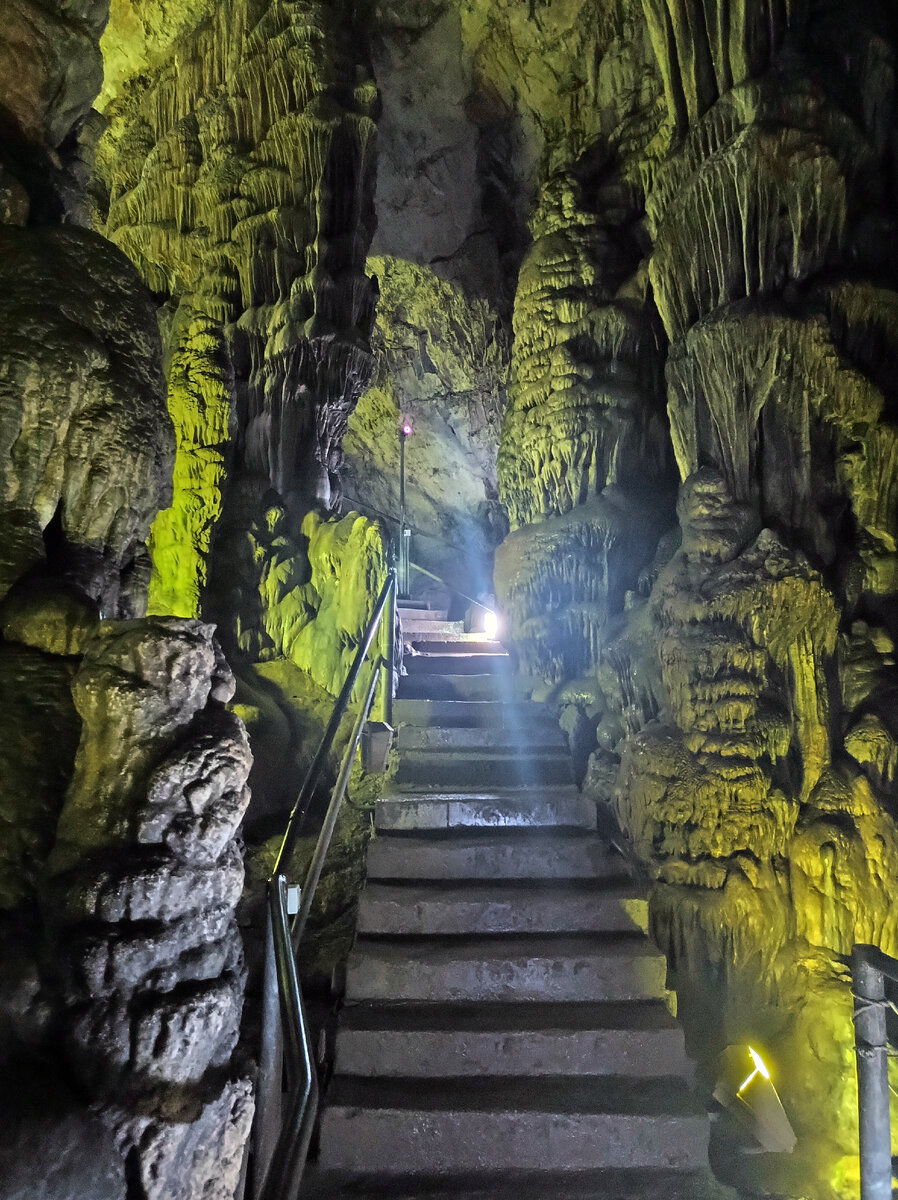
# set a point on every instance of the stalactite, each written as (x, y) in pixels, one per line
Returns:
(251, 207)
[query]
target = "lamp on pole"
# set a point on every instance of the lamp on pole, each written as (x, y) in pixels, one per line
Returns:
(405, 429)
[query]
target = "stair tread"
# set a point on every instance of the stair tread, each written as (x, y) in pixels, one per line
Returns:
(504, 946)
(511, 854)
(452, 711)
(597, 1095)
(638, 1184)
(535, 793)
(433, 685)
(442, 910)
(496, 738)
(453, 645)
(574, 1016)
(457, 664)
(443, 891)
(547, 838)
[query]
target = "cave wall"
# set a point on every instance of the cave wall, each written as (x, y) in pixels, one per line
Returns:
(636, 264)
(236, 171)
(122, 775)
(239, 182)
(736, 659)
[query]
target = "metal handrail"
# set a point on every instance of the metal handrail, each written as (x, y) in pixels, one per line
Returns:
(281, 1176)
(280, 1160)
(870, 968)
(434, 537)
(330, 821)
(298, 814)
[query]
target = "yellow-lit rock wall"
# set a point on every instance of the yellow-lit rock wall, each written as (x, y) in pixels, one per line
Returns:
(239, 182)
(738, 666)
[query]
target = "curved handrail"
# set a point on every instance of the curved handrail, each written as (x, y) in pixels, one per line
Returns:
(285, 1032)
(322, 846)
(298, 813)
(283, 1174)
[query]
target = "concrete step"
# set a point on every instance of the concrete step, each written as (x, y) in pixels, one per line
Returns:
(437, 737)
(414, 612)
(456, 647)
(515, 809)
(426, 683)
(506, 969)
(520, 716)
(487, 856)
(487, 663)
(634, 1040)
(479, 908)
(408, 1126)
(517, 1185)
(424, 623)
(496, 768)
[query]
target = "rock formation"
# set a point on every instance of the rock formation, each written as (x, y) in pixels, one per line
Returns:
(743, 745)
(123, 777)
(584, 458)
(638, 277)
(239, 180)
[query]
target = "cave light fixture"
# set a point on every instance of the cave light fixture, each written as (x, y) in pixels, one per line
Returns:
(745, 1088)
(760, 1069)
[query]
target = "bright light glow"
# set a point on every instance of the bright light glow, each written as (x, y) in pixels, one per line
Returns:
(490, 625)
(760, 1069)
(406, 427)
(759, 1062)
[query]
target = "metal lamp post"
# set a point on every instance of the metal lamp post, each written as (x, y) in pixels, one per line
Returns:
(405, 429)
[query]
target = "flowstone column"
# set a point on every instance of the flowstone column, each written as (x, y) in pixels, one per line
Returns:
(757, 784)
(240, 183)
(144, 880)
(583, 466)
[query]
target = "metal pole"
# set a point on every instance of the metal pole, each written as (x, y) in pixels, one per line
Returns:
(403, 540)
(390, 663)
(872, 1078)
(297, 816)
(284, 1176)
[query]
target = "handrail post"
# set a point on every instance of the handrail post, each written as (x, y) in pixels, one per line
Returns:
(390, 663)
(269, 1103)
(874, 1130)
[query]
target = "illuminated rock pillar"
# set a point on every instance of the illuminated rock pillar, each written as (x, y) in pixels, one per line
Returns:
(241, 185)
(583, 466)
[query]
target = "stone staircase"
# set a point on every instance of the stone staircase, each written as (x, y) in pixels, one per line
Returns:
(506, 1029)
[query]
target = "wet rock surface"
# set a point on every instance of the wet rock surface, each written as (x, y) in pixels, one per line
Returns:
(144, 881)
(621, 247)
(85, 446)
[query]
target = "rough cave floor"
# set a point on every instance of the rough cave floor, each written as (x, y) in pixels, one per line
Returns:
(506, 1031)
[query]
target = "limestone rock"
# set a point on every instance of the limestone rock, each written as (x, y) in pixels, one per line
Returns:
(50, 66)
(239, 179)
(84, 441)
(183, 1160)
(197, 797)
(441, 353)
(145, 880)
(78, 1156)
(39, 732)
(49, 616)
